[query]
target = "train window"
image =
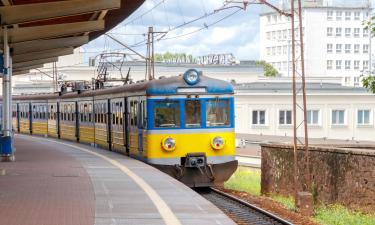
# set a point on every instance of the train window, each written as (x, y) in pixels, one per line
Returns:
(217, 113)
(192, 113)
(167, 114)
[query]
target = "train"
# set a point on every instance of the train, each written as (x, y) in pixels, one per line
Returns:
(182, 125)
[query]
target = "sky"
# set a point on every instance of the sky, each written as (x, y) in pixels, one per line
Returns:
(237, 34)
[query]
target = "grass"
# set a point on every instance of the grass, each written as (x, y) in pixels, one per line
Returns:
(245, 179)
(339, 215)
(248, 180)
(287, 202)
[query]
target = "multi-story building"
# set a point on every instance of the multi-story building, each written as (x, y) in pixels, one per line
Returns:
(266, 108)
(335, 40)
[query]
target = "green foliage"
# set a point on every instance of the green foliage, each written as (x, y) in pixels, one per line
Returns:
(369, 82)
(245, 179)
(269, 70)
(339, 215)
(287, 202)
(174, 57)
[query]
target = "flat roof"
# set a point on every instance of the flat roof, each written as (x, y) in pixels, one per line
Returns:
(286, 87)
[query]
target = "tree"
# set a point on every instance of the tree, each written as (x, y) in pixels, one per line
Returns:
(368, 81)
(269, 70)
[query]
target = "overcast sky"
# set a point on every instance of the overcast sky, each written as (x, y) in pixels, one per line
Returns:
(237, 34)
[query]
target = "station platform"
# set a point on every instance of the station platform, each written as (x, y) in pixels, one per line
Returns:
(55, 182)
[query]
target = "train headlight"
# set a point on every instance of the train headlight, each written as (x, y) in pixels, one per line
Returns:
(217, 143)
(168, 144)
(192, 76)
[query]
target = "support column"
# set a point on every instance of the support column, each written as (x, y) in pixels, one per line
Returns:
(6, 141)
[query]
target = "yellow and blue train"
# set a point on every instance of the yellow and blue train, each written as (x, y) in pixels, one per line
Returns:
(182, 125)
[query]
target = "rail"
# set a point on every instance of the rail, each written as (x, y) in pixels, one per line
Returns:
(240, 211)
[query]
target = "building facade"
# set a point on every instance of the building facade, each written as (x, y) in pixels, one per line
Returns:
(335, 40)
(265, 108)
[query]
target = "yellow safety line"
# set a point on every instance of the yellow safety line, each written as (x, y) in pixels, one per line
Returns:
(164, 210)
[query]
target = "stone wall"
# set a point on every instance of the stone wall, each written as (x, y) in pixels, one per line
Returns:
(339, 175)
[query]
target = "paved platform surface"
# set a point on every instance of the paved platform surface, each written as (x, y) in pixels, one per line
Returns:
(57, 182)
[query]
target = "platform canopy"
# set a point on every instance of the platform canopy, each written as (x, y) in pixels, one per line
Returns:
(41, 30)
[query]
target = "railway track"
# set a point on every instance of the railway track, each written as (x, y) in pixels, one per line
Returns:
(240, 211)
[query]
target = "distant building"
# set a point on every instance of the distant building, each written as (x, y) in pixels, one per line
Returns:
(334, 111)
(336, 43)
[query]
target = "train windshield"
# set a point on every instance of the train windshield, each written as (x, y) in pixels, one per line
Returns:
(217, 113)
(167, 114)
(192, 113)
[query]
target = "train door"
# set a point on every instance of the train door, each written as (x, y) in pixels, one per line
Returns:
(117, 127)
(126, 125)
(52, 119)
(86, 122)
(15, 117)
(136, 109)
(142, 126)
(101, 125)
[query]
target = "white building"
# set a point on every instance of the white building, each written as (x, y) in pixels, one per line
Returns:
(334, 111)
(336, 43)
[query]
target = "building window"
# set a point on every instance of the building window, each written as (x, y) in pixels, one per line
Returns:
(365, 65)
(285, 117)
(347, 32)
(356, 32)
(273, 35)
(347, 81)
(338, 15)
(338, 48)
(357, 15)
(329, 64)
(259, 117)
(329, 15)
(329, 31)
(338, 117)
(363, 117)
(268, 50)
(365, 48)
(347, 48)
(356, 48)
(268, 34)
(338, 31)
(356, 81)
(338, 64)
(348, 15)
(329, 48)
(274, 17)
(279, 50)
(356, 64)
(279, 35)
(269, 19)
(285, 49)
(347, 64)
(285, 34)
(313, 117)
(365, 32)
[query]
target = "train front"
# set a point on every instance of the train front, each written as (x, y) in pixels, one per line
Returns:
(191, 128)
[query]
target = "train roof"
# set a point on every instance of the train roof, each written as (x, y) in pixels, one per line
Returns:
(164, 86)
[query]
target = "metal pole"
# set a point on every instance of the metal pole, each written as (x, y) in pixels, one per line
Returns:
(295, 147)
(288, 41)
(152, 54)
(6, 141)
(307, 158)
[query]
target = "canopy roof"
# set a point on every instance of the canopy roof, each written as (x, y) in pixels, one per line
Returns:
(41, 30)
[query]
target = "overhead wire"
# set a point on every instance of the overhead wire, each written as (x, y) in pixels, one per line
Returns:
(202, 28)
(148, 11)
